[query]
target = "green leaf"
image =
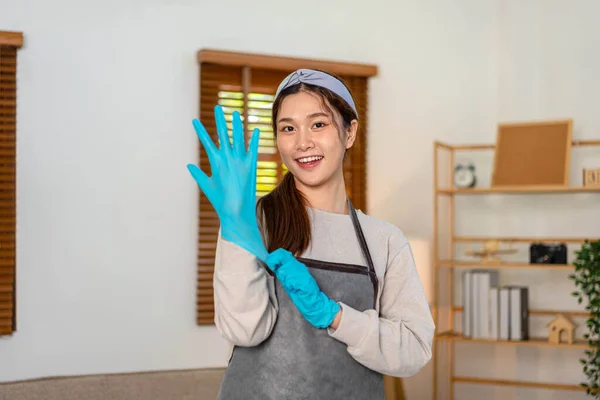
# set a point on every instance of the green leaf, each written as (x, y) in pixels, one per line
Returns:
(587, 289)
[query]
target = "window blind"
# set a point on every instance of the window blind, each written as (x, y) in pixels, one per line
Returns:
(9, 44)
(247, 83)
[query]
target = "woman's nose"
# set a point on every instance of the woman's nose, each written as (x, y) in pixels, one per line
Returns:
(304, 141)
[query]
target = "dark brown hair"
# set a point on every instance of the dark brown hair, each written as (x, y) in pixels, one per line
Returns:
(284, 219)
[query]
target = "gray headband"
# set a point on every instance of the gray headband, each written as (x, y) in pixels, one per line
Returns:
(317, 78)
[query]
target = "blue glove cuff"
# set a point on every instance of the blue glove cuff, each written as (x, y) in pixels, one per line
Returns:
(327, 314)
(335, 309)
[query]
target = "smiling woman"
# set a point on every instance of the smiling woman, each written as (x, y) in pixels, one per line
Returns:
(247, 83)
(336, 302)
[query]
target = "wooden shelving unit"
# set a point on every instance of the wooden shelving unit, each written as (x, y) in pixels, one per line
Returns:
(450, 335)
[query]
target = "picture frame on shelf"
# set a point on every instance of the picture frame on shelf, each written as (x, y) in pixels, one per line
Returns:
(533, 153)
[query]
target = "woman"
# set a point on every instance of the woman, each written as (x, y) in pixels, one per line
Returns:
(318, 299)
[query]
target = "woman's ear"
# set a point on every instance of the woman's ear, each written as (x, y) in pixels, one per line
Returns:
(352, 130)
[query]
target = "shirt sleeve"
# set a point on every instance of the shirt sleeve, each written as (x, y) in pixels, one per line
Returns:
(244, 296)
(397, 340)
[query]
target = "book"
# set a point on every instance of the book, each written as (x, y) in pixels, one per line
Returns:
(467, 302)
(504, 313)
(484, 280)
(494, 313)
(480, 304)
(519, 313)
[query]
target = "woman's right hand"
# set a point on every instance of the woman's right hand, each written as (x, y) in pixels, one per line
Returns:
(232, 187)
(302, 288)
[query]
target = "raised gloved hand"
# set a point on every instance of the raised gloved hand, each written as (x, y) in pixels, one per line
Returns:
(301, 287)
(232, 187)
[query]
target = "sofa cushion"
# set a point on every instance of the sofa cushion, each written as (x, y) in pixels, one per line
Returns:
(198, 384)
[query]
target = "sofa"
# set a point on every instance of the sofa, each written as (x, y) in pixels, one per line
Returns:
(198, 384)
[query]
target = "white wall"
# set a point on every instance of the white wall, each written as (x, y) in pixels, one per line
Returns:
(106, 209)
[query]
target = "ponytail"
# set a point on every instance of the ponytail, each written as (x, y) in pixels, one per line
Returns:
(284, 220)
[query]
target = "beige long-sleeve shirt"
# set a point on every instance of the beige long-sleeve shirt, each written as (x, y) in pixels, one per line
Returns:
(394, 339)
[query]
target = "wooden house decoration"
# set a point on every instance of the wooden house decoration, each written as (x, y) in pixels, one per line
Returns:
(559, 324)
(591, 177)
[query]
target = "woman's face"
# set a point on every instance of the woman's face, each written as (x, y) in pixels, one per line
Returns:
(309, 142)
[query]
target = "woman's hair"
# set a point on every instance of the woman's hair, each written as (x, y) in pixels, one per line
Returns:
(283, 216)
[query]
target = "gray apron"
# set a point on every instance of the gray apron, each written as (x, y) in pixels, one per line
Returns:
(299, 361)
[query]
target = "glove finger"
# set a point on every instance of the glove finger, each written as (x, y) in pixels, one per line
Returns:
(253, 147)
(201, 179)
(238, 134)
(273, 262)
(292, 283)
(253, 153)
(276, 259)
(222, 130)
(302, 283)
(209, 145)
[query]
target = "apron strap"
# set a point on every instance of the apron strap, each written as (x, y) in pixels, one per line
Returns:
(361, 237)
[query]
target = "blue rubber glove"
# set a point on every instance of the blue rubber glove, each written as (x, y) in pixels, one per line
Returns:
(232, 187)
(301, 287)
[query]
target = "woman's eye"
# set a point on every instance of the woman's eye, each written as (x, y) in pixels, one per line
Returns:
(286, 128)
(319, 125)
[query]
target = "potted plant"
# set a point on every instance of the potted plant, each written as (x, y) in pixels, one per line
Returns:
(587, 282)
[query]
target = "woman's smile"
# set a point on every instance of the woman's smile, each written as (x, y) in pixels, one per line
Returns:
(309, 162)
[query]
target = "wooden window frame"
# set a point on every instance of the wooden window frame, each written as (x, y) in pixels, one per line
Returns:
(263, 61)
(251, 71)
(10, 43)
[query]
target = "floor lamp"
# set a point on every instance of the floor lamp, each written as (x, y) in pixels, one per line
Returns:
(421, 249)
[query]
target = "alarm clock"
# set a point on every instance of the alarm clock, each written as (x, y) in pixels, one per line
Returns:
(464, 175)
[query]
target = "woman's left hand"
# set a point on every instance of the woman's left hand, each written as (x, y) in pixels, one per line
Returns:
(232, 187)
(301, 287)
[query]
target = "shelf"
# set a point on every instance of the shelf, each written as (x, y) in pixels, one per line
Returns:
(532, 189)
(494, 265)
(457, 337)
(505, 382)
(551, 313)
(491, 146)
(516, 239)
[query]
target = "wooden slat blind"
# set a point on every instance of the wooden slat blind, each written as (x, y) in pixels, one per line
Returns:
(355, 164)
(247, 83)
(9, 44)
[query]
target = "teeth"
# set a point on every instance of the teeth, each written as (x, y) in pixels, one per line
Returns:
(309, 159)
